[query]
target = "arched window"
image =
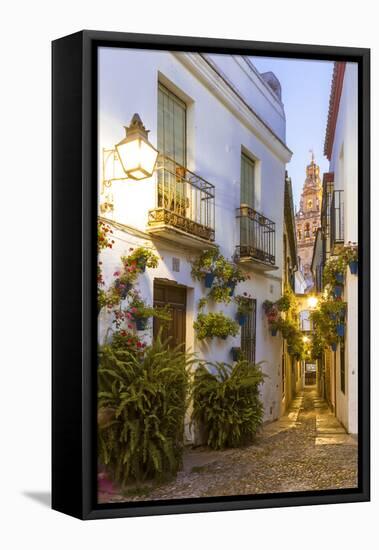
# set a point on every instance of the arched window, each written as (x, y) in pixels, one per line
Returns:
(309, 204)
(307, 230)
(299, 234)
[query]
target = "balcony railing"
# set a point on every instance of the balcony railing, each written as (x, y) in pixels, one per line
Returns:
(257, 237)
(184, 201)
(337, 220)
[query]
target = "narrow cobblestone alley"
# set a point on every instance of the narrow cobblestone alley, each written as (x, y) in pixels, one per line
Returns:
(307, 449)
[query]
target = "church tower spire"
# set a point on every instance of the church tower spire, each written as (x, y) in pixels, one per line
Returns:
(308, 218)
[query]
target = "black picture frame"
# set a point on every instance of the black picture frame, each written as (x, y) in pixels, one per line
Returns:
(74, 205)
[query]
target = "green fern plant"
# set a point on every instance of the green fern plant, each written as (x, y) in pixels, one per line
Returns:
(226, 402)
(145, 399)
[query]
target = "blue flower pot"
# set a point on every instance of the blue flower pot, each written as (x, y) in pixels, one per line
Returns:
(241, 318)
(208, 280)
(339, 278)
(337, 291)
(231, 287)
(274, 331)
(235, 353)
(334, 346)
(353, 267)
(340, 330)
(141, 323)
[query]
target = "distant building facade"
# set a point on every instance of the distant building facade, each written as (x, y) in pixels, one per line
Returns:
(308, 220)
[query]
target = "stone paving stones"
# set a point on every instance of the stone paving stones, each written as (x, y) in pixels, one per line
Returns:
(307, 449)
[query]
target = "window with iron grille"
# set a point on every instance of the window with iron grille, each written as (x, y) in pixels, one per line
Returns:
(248, 333)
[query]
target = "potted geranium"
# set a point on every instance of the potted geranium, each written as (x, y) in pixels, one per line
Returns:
(272, 314)
(138, 311)
(244, 307)
(142, 258)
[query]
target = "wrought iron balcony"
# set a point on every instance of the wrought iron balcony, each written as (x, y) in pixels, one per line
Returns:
(257, 239)
(185, 205)
(337, 221)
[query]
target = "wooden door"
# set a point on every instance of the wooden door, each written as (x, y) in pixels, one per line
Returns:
(174, 298)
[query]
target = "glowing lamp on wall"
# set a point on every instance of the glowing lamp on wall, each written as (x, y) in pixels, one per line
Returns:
(136, 153)
(312, 302)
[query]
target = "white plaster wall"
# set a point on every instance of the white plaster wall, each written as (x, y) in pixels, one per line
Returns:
(254, 90)
(128, 83)
(344, 164)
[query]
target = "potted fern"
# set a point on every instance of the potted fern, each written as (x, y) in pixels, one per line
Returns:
(226, 403)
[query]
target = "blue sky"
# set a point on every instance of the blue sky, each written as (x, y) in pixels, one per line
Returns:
(305, 94)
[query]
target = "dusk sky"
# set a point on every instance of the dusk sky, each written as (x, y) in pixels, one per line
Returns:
(305, 94)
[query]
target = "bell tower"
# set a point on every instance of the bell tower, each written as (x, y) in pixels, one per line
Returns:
(308, 219)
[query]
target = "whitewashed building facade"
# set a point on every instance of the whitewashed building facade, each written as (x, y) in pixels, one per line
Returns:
(222, 124)
(339, 228)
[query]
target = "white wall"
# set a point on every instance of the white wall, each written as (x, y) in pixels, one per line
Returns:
(344, 164)
(215, 137)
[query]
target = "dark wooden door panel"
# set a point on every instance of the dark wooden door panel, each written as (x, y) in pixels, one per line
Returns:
(174, 298)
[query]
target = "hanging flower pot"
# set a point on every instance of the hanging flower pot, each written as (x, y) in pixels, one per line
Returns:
(241, 318)
(334, 346)
(236, 352)
(123, 288)
(340, 330)
(339, 278)
(141, 323)
(353, 265)
(337, 291)
(208, 280)
(141, 264)
(231, 285)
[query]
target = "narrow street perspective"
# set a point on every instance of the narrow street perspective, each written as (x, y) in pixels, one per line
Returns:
(227, 275)
(307, 449)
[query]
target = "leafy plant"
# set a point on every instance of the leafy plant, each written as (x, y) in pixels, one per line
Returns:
(209, 325)
(333, 267)
(220, 294)
(141, 257)
(145, 398)
(350, 252)
(205, 263)
(244, 304)
(226, 403)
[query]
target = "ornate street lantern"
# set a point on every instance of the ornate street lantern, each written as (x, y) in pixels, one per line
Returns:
(136, 153)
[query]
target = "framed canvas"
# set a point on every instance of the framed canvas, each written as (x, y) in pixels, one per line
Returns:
(211, 277)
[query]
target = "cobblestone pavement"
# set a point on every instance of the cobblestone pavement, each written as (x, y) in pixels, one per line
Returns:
(305, 450)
